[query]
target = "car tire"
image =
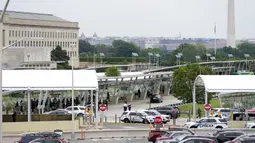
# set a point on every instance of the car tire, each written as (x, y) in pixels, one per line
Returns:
(126, 120)
(219, 128)
(80, 115)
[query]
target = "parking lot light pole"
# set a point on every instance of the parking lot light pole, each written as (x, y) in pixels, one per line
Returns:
(1, 46)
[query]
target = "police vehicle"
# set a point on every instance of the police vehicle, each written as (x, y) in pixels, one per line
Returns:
(210, 123)
(249, 125)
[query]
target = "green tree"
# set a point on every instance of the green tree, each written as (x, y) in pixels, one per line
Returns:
(183, 80)
(125, 49)
(112, 71)
(60, 55)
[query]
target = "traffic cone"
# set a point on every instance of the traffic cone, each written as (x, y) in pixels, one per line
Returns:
(151, 127)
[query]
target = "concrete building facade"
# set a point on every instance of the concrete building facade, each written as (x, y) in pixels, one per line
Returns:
(30, 38)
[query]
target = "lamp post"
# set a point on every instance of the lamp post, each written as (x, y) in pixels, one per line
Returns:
(197, 58)
(230, 56)
(73, 125)
(177, 59)
(208, 55)
(150, 54)
(157, 60)
(101, 55)
(246, 58)
(1, 46)
(180, 54)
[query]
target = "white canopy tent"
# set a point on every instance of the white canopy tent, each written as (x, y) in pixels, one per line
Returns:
(56, 80)
(222, 83)
(49, 80)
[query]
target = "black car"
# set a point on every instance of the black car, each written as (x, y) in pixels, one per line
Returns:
(184, 137)
(223, 130)
(30, 137)
(169, 110)
(156, 99)
(248, 140)
(228, 136)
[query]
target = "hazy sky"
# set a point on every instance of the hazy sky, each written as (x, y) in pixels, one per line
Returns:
(193, 18)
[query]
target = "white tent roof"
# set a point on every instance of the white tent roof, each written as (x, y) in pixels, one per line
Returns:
(49, 80)
(227, 83)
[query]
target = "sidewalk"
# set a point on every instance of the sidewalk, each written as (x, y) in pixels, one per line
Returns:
(136, 105)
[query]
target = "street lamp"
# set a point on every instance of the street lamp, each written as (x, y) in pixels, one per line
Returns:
(178, 57)
(157, 60)
(246, 57)
(198, 58)
(101, 55)
(1, 46)
(208, 55)
(150, 54)
(134, 55)
(73, 125)
(230, 56)
(213, 58)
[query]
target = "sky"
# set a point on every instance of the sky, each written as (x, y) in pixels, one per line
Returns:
(150, 18)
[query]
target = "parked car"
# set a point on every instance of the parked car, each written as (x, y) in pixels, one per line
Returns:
(27, 138)
(240, 138)
(169, 110)
(133, 117)
(169, 135)
(218, 123)
(50, 140)
(59, 112)
(228, 136)
(184, 137)
(154, 113)
(156, 99)
(247, 140)
(154, 134)
(223, 130)
(197, 140)
(78, 110)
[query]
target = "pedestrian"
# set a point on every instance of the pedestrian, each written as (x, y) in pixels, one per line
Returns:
(129, 106)
(14, 116)
(125, 106)
(199, 113)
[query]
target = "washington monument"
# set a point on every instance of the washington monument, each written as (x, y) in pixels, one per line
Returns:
(231, 38)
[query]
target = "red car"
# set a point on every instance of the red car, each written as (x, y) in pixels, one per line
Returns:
(154, 134)
(51, 140)
(171, 135)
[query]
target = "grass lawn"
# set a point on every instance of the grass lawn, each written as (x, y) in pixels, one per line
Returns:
(215, 103)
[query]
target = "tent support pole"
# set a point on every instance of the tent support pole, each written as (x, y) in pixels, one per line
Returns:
(194, 102)
(206, 102)
(91, 103)
(29, 106)
(97, 109)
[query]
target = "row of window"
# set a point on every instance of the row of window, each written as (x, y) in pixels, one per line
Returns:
(71, 53)
(41, 43)
(40, 34)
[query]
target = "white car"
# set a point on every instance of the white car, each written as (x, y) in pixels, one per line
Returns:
(78, 110)
(225, 112)
(133, 117)
(154, 113)
(249, 125)
(59, 112)
(210, 123)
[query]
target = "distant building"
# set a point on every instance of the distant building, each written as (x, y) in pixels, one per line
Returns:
(38, 35)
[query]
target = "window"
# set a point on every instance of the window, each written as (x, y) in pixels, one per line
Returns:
(22, 43)
(18, 33)
(22, 32)
(39, 43)
(36, 44)
(132, 113)
(10, 34)
(212, 120)
(39, 34)
(10, 42)
(31, 44)
(222, 120)
(50, 43)
(75, 108)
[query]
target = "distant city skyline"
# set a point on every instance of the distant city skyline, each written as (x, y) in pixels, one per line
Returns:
(147, 18)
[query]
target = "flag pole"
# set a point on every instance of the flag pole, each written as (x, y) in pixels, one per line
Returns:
(215, 40)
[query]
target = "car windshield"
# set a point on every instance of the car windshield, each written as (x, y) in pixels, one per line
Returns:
(222, 120)
(167, 134)
(153, 113)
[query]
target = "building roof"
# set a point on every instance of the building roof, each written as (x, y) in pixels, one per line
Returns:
(226, 83)
(33, 16)
(49, 80)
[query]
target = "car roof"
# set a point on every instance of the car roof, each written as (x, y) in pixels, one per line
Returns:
(198, 138)
(176, 132)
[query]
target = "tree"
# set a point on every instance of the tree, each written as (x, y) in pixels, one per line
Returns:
(112, 71)
(58, 54)
(183, 80)
(125, 49)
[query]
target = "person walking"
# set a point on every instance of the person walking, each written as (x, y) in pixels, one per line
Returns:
(129, 106)
(199, 113)
(125, 106)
